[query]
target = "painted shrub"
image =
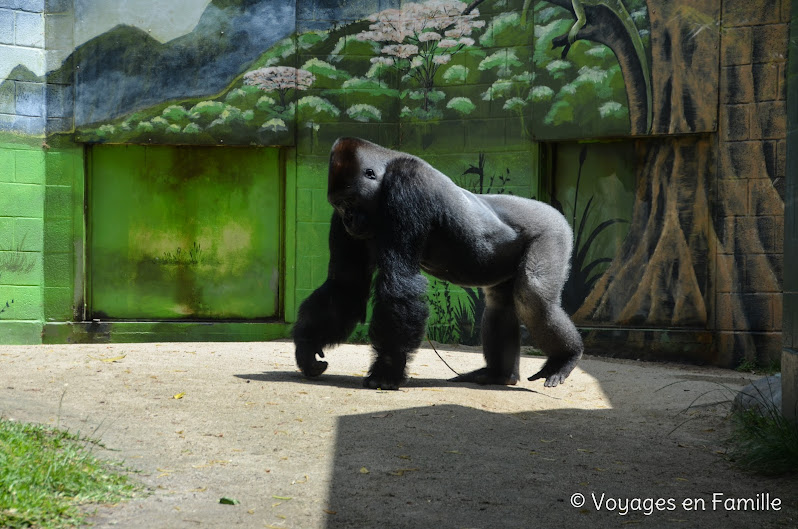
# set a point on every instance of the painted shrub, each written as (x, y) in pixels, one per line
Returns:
(433, 62)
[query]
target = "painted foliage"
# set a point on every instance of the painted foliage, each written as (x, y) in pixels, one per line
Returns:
(433, 63)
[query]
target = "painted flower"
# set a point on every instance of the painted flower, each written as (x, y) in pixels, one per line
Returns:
(442, 59)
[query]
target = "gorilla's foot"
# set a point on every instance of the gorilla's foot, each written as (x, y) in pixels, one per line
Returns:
(384, 376)
(307, 362)
(486, 376)
(556, 370)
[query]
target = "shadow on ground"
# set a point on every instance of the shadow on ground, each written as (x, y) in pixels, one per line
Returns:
(634, 462)
(353, 382)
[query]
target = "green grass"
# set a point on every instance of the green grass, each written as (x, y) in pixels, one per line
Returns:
(765, 441)
(759, 368)
(532, 351)
(46, 475)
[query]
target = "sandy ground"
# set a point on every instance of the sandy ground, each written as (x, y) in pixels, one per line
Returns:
(640, 444)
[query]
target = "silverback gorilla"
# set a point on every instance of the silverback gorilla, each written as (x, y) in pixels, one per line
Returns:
(396, 214)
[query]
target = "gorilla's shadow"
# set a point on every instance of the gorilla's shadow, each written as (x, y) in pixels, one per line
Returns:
(444, 466)
(355, 382)
(448, 465)
(453, 466)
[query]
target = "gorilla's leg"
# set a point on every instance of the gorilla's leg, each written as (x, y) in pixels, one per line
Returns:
(537, 299)
(501, 339)
(557, 336)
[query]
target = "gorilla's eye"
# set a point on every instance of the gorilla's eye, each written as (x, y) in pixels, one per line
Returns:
(370, 174)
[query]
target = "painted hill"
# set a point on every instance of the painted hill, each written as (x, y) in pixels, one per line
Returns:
(125, 69)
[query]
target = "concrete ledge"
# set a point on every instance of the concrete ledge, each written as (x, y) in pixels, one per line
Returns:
(144, 332)
(20, 332)
(693, 346)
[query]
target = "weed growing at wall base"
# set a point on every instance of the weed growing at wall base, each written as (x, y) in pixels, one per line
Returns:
(47, 474)
(765, 441)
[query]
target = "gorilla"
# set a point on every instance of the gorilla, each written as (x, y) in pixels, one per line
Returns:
(396, 215)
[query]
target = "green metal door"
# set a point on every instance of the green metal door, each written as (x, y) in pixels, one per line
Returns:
(184, 233)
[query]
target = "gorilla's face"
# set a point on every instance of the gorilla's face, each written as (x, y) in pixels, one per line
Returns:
(356, 171)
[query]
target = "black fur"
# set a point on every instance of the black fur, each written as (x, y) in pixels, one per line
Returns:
(396, 214)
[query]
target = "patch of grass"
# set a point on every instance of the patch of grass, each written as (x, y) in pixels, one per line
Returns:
(192, 257)
(46, 474)
(759, 368)
(532, 351)
(764, 441)
(747, 366)
(360, 336)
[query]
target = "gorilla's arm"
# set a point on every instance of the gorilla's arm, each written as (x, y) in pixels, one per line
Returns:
(398, 322)
(400, 312)
(329, 315)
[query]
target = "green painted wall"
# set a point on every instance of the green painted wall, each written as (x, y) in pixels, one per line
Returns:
(64, 233)
(41, 227)
(22, 198)
(592, 184)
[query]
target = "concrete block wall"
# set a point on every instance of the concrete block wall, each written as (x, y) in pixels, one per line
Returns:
(22, 190)
(35, 36)
(63, 237)
(749, 218)
(46, 182)
(40, 184)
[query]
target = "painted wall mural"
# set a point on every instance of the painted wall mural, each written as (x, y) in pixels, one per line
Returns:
(593, 187)
(144, 71)
(431, 63)
(655, 126)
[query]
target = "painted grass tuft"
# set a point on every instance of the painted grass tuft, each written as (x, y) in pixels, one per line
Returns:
(47, 474)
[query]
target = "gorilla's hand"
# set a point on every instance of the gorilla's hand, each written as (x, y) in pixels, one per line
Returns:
(384, 375)
(306, 360)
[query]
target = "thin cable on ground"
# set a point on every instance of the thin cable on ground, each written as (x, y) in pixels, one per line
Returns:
(439, 356)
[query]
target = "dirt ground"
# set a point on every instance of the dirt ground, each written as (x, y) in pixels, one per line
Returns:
(640, 444)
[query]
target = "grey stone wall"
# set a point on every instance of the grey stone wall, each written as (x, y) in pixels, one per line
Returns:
(35, 35)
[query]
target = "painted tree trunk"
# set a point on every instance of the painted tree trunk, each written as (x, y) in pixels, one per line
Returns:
(686, 261)
(661, 272)
(660, 275)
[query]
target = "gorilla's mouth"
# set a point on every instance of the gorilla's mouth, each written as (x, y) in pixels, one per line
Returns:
(357, 224)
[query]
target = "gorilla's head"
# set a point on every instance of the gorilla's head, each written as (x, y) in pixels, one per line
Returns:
(356, 170)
